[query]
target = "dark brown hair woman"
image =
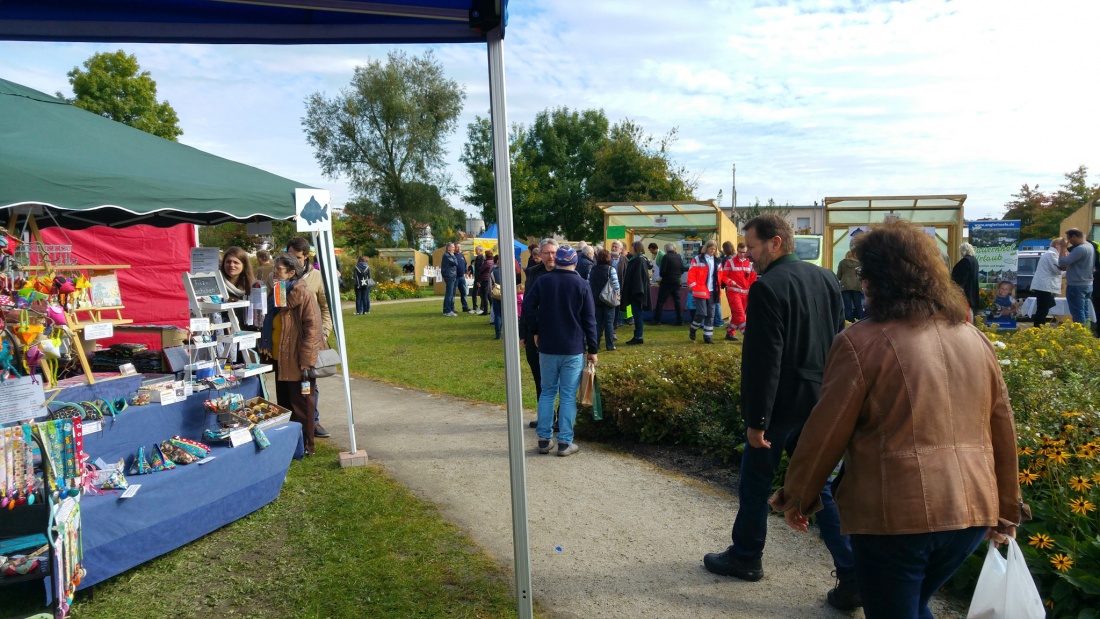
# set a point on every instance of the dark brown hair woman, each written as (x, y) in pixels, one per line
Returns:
(913, 400)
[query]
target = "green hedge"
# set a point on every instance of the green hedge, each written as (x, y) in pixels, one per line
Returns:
(690, 398)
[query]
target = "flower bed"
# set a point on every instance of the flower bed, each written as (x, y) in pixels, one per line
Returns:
(387, 291)
(1053, 378)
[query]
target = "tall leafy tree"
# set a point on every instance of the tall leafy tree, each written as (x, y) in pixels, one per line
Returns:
(560, 150)
(1041, 213)
(386, 133)
(633, 166)
(477, 157)
(113, 85)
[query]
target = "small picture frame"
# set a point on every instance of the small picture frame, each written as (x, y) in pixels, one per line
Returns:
(104, 291)
(127, 369)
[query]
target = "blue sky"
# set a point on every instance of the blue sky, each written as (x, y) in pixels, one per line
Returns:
(809, 99)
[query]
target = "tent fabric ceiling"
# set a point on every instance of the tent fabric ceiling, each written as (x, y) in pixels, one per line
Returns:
(88, 170)
(250, 21)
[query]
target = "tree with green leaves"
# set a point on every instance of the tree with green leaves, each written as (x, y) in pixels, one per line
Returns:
(386, 133)
(113, 85)
(477, 157)
(1041, 214)
(633, 166)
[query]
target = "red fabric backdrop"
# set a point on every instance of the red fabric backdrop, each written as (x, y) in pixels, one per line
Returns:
(151, 288)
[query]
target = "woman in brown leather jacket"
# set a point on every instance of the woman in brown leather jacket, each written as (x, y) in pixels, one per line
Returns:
(291, 336)
(914, 401)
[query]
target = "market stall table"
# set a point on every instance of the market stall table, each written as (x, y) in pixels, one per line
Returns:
(1027, 308)
(176, 506)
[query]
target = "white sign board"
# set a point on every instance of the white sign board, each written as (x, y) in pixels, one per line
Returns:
(313, 210)
(240, 436)
(205, 259)
(99, 330)
(21, 399)
(199, 325)
(660, 221)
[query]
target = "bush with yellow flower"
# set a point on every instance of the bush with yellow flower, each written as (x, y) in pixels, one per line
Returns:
(1053, 379)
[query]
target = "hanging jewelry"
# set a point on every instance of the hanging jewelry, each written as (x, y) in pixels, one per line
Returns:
(7, 463)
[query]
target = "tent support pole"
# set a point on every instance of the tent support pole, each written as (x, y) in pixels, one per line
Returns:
(326, 250)
(516, 451)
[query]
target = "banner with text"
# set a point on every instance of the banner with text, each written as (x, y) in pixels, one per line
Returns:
(995, 246)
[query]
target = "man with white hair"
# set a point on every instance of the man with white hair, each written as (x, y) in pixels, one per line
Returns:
(560, 314)
(965, 274)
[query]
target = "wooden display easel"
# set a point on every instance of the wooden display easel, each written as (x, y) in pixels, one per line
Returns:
(72, 320)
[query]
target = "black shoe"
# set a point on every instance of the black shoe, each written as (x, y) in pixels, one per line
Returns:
(845, 595)
(707, 340)
(466, 310)
(691, 334)
(320, 432)
(533, 424)
(635, 342)
(728, 564)
(611, 348)
(731, 338)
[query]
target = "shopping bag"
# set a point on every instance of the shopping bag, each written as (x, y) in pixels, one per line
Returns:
(629, 312)
(588, 378)
(1005, 589)
(597, 400)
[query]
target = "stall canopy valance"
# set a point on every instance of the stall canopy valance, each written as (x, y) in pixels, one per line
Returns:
(252, 21)
(88, 170)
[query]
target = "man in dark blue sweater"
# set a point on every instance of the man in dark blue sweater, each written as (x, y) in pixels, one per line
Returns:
(560, 314)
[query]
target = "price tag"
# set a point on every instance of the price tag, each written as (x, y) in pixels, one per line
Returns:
(91, 427)
(131, 491)
(99, 330)
(248, 342)
(168, 396)
(200, 324)
(239, 437)
(205, 259)
(205, 460)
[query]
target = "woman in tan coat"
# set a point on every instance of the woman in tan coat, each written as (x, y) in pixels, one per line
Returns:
(914, 401)
(291, 336)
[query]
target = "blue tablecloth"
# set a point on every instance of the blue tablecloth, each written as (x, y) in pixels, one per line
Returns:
(177, 506)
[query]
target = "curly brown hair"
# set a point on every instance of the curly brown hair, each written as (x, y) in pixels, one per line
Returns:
(906, 276)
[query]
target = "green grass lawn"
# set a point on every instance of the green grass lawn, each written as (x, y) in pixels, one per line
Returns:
(336, 543)
(414, 345)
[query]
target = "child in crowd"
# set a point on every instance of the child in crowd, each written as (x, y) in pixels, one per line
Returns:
(519, 299)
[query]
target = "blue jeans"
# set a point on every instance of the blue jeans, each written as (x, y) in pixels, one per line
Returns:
(1078, 299)
(449, 295)
(716, 299)
(750, 528)
(362, 300)
(897, 574)
(561, 375)
(853, 305)
(498, 320)
(605, 324)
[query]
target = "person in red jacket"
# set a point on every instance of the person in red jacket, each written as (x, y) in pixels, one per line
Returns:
(703, 283)
(736, 275)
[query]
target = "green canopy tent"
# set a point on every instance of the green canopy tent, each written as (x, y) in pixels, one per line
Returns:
(89, 170)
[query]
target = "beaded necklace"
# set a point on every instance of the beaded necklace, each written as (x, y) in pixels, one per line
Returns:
(18, 470)
(8, 463)
(28, 459)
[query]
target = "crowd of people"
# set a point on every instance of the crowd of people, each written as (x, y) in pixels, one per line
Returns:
(904, 481)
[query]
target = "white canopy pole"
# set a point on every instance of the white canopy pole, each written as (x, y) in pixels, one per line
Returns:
(516, 451)
(326, 251)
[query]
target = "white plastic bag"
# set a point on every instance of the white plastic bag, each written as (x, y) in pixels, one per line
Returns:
(1005, 589)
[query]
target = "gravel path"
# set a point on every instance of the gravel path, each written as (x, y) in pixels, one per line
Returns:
(631, 536)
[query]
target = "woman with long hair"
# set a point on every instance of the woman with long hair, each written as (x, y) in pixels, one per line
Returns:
(291, 337)
(913, 400)
(236, 270)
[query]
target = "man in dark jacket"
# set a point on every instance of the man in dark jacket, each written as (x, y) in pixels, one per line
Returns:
(460, 282)
(479, 286)
(671, 270)
(585, 261)
(793, 314)
(561, 316)
(448, 269)
(965, 274)
(543, 255)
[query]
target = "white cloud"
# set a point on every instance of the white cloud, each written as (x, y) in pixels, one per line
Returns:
(808, 98)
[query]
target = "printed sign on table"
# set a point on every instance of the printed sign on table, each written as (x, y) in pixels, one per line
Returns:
(995, 246)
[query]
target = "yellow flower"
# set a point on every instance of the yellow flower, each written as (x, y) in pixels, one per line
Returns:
(1081, 505)
(1058, 456)
(1040, 541)
(1061, 562)
(1095, 477)
(1080, 484)
(1071, 414)
(1027, 477)
(1088, 451)
(1026, 451)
